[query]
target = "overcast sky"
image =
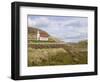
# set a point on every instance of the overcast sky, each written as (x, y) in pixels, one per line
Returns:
(65, 28)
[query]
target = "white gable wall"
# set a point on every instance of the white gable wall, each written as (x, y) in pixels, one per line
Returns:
(44, 38)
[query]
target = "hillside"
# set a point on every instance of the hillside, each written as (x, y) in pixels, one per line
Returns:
(57, 54)
(32, 33)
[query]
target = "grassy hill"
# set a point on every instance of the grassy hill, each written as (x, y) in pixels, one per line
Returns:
(64, 55)
(54, 54)
(32, 33)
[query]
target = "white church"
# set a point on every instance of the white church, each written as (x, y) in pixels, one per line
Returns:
(42, 36)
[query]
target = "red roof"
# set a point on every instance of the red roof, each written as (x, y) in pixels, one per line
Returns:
(43, 34)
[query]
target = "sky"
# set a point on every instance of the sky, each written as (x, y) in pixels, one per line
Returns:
(65, 28)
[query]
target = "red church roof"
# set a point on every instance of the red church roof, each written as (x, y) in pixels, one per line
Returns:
(43, 34)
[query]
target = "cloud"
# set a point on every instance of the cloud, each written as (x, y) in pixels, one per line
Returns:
(38, 22)
(71, 29)
(31, 23)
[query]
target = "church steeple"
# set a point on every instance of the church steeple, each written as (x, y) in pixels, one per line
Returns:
(38, 35)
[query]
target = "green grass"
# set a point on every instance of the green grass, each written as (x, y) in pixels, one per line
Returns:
(38, 41)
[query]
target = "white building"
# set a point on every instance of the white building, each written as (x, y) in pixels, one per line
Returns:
(42, 36)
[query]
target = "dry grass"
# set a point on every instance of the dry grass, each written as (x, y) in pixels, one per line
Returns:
(50, 56)
(55, 56)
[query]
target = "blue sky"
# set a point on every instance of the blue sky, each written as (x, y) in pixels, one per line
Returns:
(65, 28)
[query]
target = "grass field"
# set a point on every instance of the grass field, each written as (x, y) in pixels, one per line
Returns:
(51, 55)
